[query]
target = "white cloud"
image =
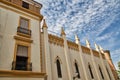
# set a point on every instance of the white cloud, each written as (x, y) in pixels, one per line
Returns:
(88, 18)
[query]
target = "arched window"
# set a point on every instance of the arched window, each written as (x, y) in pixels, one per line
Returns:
(91, 73)
(58, 69)
(77, 70)
(101, 72)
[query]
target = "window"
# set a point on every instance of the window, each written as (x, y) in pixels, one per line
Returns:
(24, 23)
(24, 26)
(101, 72)
(21, 58)
(25, 5)
(108, 72)
(91, 73)
(77, 70)
(59, 69)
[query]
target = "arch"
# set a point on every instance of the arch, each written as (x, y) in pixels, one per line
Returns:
(101, 72)
(90, 70)
(58, 65)
(76, 68)
(58, 58)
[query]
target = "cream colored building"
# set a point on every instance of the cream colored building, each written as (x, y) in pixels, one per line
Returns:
(27, 53)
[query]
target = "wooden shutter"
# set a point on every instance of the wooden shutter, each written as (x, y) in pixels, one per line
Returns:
(22, 51)
(24, 23)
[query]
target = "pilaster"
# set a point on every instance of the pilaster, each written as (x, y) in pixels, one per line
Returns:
(67, 55)
(47, 52)
(81, 57)
(103, 64)
(93, 60)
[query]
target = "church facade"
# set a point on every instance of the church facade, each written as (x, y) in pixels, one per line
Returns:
(29, 53)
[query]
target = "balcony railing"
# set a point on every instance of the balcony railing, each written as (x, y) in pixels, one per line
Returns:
(21, 66)
(24, 31)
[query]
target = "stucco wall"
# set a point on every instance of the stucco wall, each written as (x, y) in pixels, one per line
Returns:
(9, 24)
(75, 57)
(56, 50)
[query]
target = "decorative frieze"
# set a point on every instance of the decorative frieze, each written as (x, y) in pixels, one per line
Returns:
(103, 56)
(95, 53)
(72, 45)
(85, 50)
(55, 40)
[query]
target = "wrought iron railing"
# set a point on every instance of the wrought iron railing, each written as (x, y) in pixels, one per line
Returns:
(24, 30)
(21, 66)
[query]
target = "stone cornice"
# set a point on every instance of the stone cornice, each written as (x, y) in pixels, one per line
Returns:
(85, 50)
(21, 8)
(55, 40)
(95, 53)
(103, 56)
(73, 45)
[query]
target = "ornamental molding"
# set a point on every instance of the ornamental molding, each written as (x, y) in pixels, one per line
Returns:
(85, 50)
(56, 40)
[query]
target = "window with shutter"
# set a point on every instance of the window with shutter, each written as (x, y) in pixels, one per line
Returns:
(21, 58)
(22, 51)
(24, 26)
(24, 23)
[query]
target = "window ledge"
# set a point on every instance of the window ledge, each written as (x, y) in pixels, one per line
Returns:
(23, 39)
(16, 73)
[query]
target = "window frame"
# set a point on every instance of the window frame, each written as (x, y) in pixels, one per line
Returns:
(21, 17)
(101, 72)
(90, 71)
(22, 43)
(77, 70)
(59, 72)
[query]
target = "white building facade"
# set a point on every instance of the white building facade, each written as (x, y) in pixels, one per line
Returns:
(28, 53)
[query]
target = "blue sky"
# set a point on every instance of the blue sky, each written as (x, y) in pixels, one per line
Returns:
(96, 20)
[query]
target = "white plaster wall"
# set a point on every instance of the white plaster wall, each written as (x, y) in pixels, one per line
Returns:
(8, 29)
(9, 24)
(56, 50)
(87, 59)
(35, 46)
(98, 62)
(4, 78)
(76, 56)
(109, 69)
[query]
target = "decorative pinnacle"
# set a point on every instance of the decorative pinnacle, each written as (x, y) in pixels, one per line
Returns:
(96, 47)
(62, 31)
(76, 37)
(87, 43)
(101, 49)
(44, 24)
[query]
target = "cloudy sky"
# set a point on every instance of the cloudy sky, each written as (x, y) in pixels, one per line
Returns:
(96, 20)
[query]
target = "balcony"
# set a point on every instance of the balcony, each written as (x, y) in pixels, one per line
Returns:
(30, 5)
(21, 66)
(24, 31)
